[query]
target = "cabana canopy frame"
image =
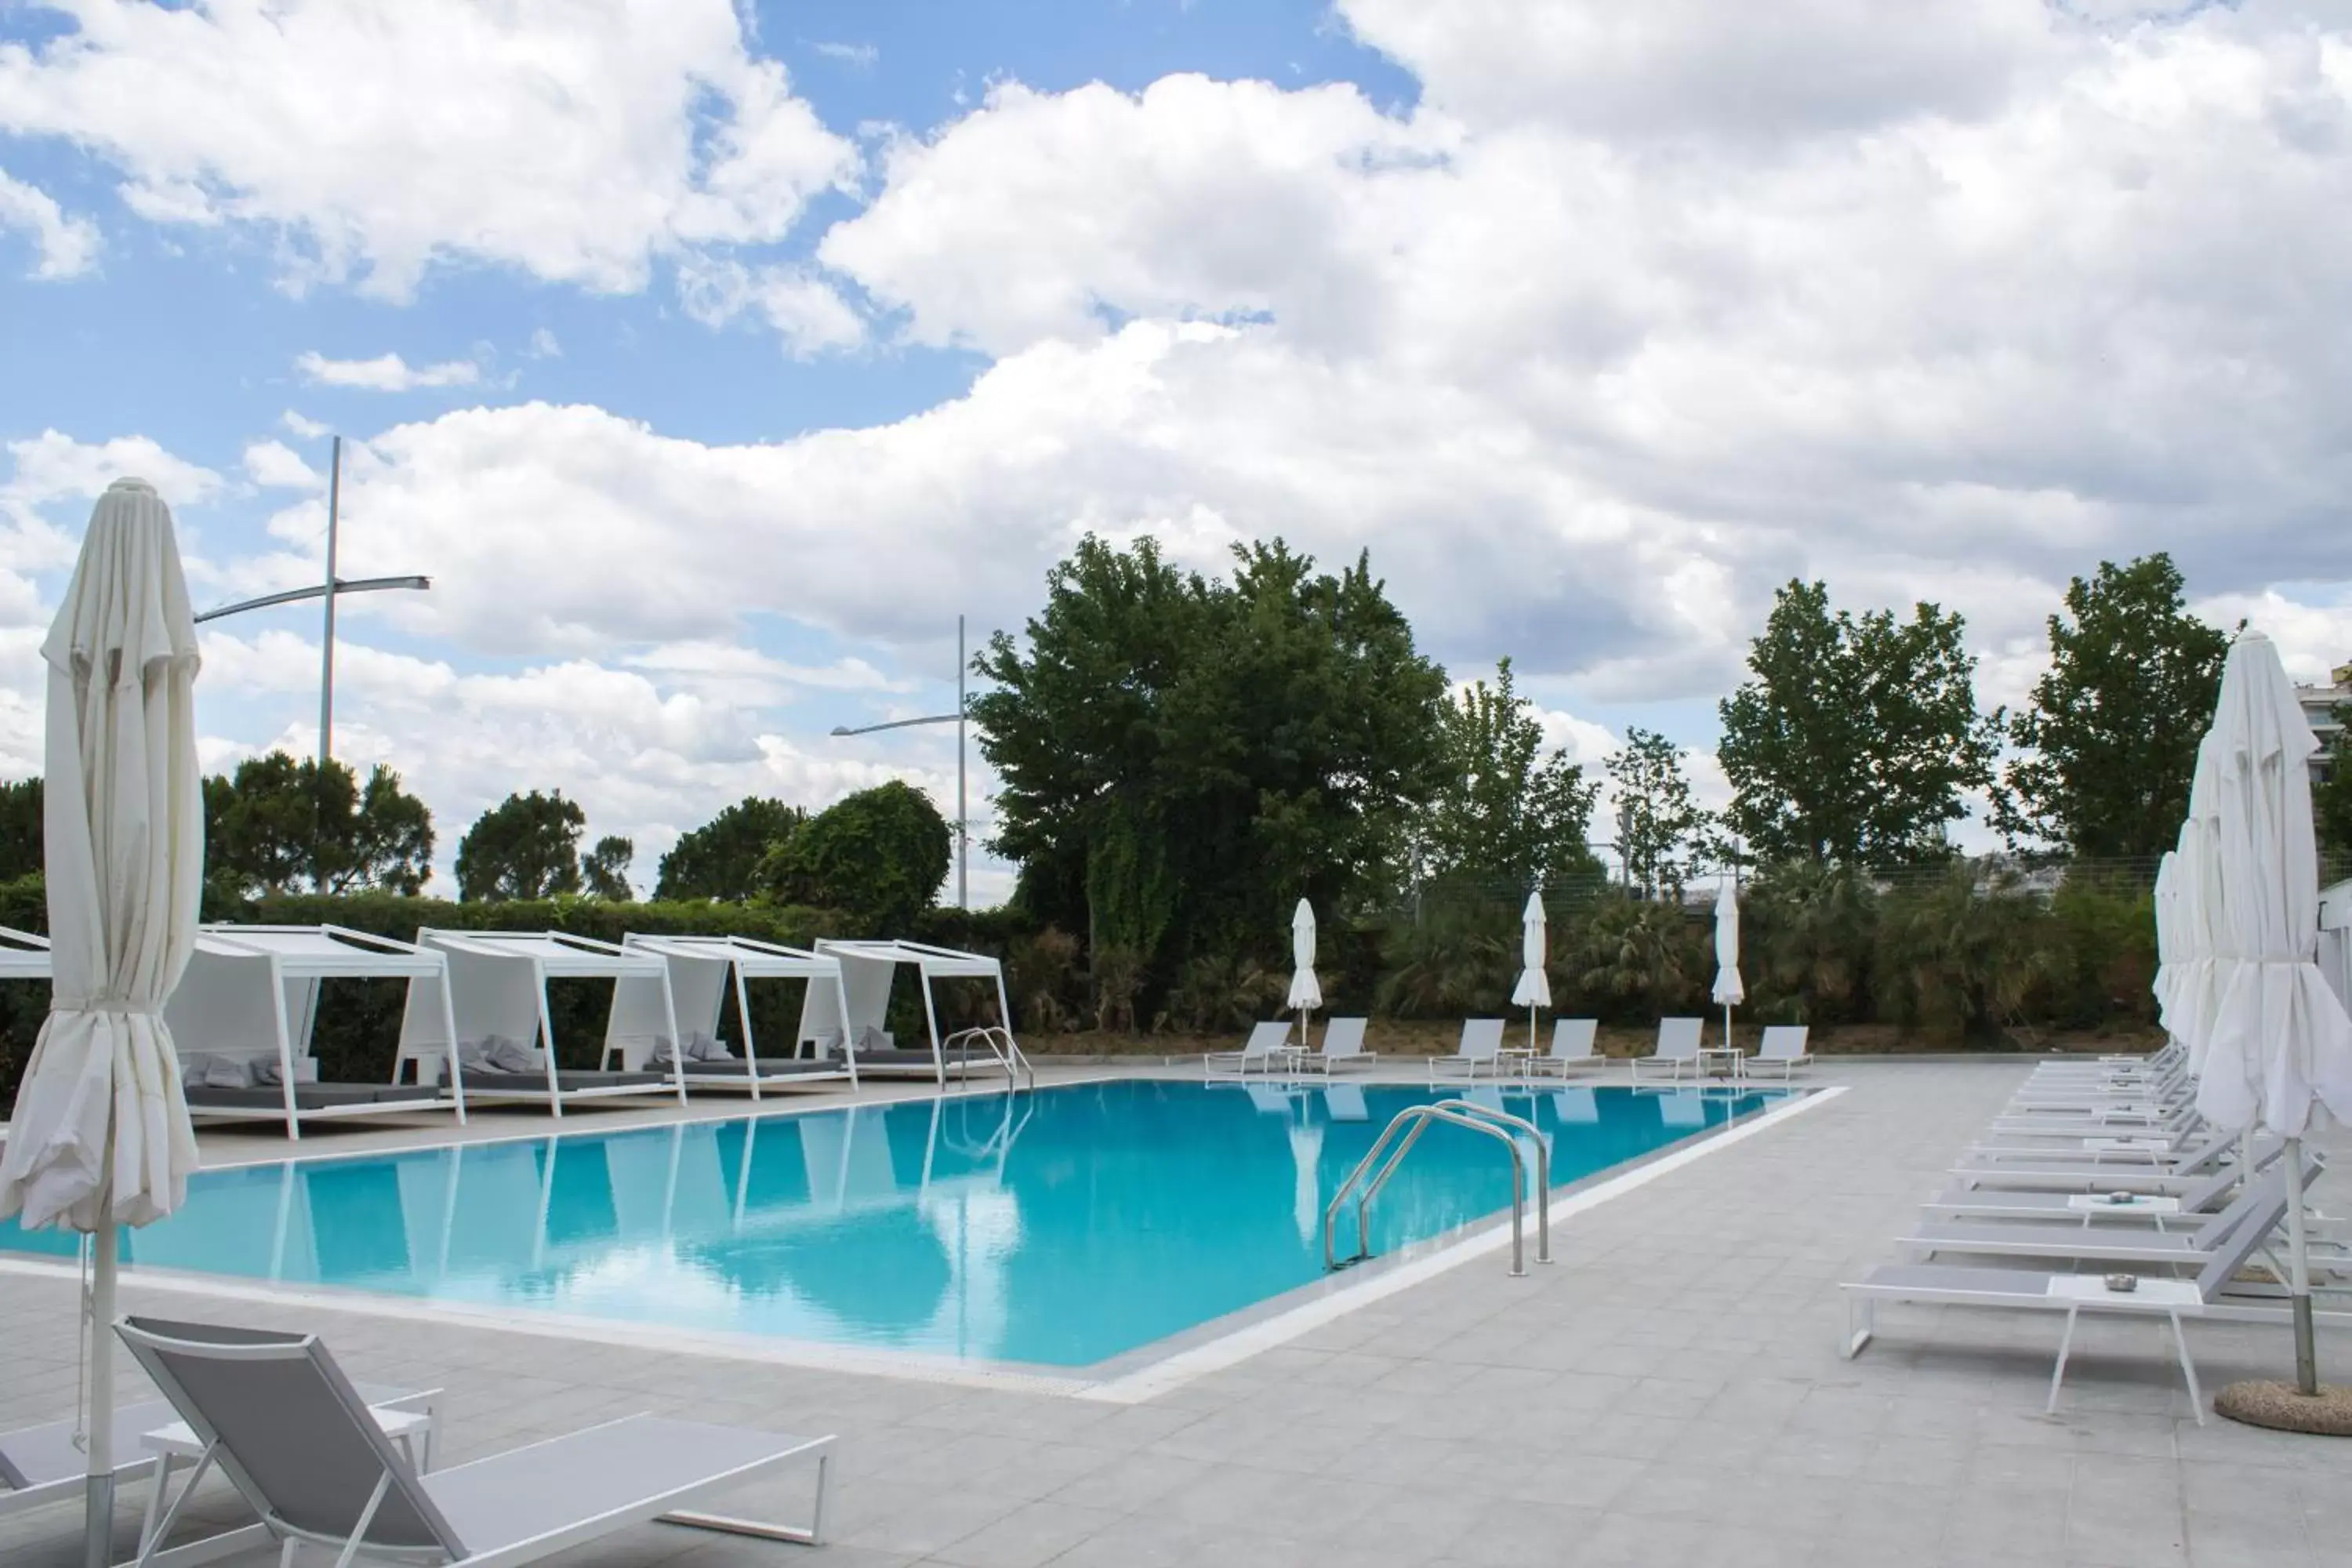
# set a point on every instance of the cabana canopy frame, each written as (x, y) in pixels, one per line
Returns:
(867, 968)
(497, 985)
(252, 992)
(701, 968)
(23, 955)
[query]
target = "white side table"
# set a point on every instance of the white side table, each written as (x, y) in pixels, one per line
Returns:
(2171, 1298)
(412, 1422)
(2152, 1149)
(2140, 1205)
(1731, 1056)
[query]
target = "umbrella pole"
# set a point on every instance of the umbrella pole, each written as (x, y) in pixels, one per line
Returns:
(2306, 1355)
(98, 1529)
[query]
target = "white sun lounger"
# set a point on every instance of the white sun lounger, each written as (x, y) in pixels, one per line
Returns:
(2126, 1242)
(1783, 1051)
(1343, 1046)
(1677, 1050)
(40, 1465)
(1264, 1050)
(1571, 1049)
(1481, 1050)
(2099, 1169)
(2027, 1290)
(278, 1419)
(1960, 1202)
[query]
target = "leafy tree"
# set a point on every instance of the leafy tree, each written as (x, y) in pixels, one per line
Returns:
(1509, 810)
(526, 846)
(21, 851)
(277, 825)
(879, 856)
(1856, 735)
(603, 871)
(720, 859)
(1182, 759)
(2331, 795)
(1658, 820)
(2113, 727)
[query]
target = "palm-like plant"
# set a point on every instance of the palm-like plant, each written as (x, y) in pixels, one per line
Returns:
(1630, 949)
(1807, 928)
(1219, 993)
(1040, 972)
(1951, 955)
(1457, 960)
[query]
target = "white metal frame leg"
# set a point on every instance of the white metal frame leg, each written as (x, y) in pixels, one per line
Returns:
(2058, 1373)
(2187, 1368)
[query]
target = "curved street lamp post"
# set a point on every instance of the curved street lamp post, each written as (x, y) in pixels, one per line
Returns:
(328, 590)
(963, 824)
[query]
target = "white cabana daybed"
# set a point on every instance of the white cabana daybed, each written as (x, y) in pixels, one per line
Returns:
(244, 1014)
(700, 969)
(496, 1020)
(867, 968)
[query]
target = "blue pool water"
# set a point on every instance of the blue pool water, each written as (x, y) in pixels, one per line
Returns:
(1061, 1227)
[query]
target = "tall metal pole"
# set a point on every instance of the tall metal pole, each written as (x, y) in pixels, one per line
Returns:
(963, 821)
(327, 635)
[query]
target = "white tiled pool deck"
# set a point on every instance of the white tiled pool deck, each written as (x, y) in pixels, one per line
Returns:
(1670, 1392)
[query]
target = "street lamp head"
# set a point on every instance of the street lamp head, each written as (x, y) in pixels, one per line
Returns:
(843, 730)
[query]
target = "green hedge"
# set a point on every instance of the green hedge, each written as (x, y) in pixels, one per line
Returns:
(1944, 956)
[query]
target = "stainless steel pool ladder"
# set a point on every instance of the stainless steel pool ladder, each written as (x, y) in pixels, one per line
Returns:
(1001, 1045)
(1403, 1131)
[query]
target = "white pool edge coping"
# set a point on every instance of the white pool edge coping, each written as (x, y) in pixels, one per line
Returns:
(1135, 1387)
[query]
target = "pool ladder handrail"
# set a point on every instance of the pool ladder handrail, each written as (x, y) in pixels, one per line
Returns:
(1481, 1118)
(1001, 1045)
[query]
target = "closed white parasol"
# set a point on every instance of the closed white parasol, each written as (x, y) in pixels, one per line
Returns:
(1729, 988)
(1306, 995)
(2280, 1054)
(101, 1134)
(1533, 989)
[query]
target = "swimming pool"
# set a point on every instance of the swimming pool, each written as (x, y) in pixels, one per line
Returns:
(1062, 1228)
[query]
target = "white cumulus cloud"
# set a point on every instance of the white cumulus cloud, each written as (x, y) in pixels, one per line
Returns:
(385, 372)
(64, 246)
(573, 139)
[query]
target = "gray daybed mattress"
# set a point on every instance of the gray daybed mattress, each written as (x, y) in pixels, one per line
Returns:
(315, 1097)
(481, 1080)
(770, 1067)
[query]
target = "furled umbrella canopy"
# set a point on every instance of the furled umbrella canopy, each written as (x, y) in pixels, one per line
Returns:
(1533, 989)
(1306, 993)
(2280, 1051)
(1729, 988)
(101, 1134)
(2167, 937)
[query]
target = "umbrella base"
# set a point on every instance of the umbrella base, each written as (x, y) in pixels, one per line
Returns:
(2281, 1408)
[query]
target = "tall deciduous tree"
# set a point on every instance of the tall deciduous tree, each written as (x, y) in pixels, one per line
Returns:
(2111, 733)
(1658, 822)
(878, 854)
(1856, 735)
(277, 825)
(2331, 796)
(720, 859)
(1182, 759)
(1507, 809)
(526, 846)
(604, 870)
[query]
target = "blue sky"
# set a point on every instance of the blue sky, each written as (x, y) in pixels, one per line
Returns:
(737, 354)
